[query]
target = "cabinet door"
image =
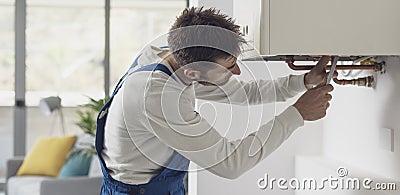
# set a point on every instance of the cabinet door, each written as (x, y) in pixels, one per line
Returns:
(337, 27)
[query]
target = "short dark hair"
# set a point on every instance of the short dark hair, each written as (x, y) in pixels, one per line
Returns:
(210, 40)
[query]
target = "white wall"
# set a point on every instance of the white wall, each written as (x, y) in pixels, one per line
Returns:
(305, 141)
(351, 132)
(352, 137)
(349, 136)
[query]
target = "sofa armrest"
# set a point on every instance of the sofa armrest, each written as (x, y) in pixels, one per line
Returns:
(13, 165)
(72, 185)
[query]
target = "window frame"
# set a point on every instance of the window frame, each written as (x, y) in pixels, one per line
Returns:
(19, 106)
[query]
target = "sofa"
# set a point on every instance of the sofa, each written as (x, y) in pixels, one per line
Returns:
(42, 185)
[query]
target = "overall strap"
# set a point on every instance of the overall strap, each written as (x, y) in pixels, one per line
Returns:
(133, 65)
(151, 67)
(104, 111)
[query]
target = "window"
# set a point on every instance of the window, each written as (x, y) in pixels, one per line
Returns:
(65, 50)
(133, 25)
(65, 46)
(65, 53)
(7, 50)
(7, 72)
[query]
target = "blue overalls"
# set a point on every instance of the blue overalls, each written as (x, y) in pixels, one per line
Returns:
(169, 181)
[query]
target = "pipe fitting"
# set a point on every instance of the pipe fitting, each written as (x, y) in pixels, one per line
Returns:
(362, 81)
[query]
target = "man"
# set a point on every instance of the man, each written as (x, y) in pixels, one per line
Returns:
(149, 130)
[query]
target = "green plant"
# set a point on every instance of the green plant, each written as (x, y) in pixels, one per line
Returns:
(87, 123)
(88, 113)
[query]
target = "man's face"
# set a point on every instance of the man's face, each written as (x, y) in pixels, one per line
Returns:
(221, 71)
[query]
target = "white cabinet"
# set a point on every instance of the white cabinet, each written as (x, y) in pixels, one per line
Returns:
(336, 27)
(315, 27)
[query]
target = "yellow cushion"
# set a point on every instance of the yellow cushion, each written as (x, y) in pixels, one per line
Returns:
(47, 156)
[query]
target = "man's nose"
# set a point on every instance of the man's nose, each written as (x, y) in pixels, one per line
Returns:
(236, 70)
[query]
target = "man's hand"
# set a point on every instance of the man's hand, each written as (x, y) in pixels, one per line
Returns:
(318, 74)
(312, 105)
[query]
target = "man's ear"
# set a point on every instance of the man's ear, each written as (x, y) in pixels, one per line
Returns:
(191, 74)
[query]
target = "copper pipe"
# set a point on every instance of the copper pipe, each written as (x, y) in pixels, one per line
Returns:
(375, 67)
(363, 81)
(366, 64)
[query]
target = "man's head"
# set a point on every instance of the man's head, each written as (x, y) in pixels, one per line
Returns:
(205, 43)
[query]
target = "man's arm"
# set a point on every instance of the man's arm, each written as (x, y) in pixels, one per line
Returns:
(253, 92)
(264, 91)
(173, 121)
